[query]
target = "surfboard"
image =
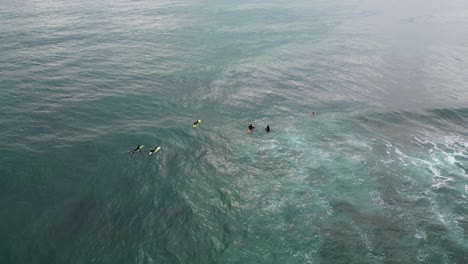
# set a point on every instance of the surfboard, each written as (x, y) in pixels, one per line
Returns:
(197, 123)
(156, 151)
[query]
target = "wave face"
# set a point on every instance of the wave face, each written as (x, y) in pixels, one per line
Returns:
(379, 173)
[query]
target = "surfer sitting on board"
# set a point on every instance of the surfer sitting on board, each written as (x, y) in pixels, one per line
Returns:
(267, 129)
(251, 128)
(138, 148)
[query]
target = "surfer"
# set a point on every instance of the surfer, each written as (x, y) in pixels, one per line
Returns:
(196, 123)
(138, 148)
(156, 149)
(251, 128)
(267, 128)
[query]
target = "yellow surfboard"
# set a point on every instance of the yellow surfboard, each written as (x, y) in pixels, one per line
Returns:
(196, 123)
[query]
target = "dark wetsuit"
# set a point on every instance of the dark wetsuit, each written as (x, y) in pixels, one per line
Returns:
(267, 129)
(251, 127)
(138, 148)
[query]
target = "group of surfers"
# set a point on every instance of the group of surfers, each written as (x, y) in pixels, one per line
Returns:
(251, 128)
(157, 148)
(140, 147)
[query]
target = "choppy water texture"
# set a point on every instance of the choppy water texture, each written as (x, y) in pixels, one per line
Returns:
(378, 175)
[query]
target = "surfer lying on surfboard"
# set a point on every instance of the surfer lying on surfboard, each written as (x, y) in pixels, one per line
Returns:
(196, 123)
(156, 149)
(137, 149)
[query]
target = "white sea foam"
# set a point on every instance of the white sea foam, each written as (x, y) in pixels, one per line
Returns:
(420, 234)
(364, 236)
(422, 255)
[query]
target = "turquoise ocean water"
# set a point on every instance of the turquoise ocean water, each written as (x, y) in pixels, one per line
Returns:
(378, 175)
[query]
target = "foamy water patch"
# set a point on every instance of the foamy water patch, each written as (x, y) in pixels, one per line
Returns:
(442, 161)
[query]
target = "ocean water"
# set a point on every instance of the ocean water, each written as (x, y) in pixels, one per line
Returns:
(378, 175)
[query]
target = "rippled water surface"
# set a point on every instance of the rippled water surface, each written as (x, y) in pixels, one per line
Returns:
(378, 175)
